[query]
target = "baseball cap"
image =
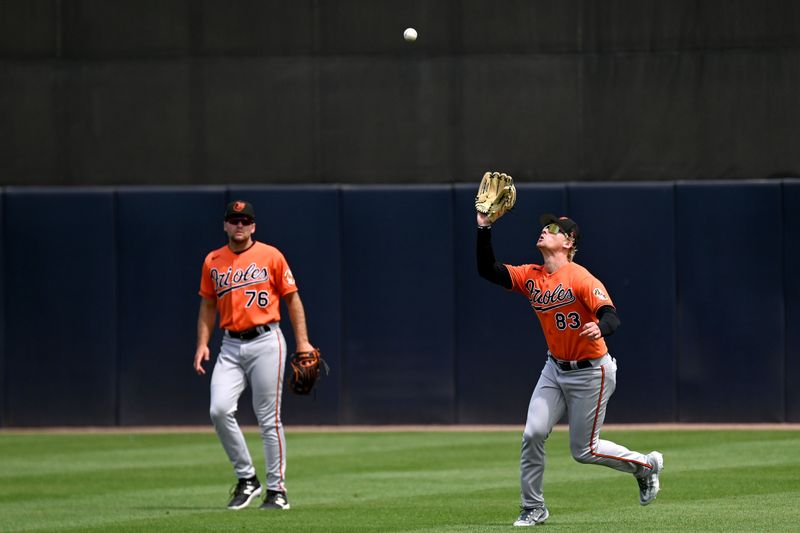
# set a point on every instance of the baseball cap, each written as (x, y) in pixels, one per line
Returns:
(567, 225)
(240, 208)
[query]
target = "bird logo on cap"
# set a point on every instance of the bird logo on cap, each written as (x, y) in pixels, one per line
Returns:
(238, 206)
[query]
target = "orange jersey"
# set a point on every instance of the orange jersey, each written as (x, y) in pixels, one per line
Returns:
(564, 301)
(247, 286)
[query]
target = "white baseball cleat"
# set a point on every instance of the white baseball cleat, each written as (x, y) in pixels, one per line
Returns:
(531, 517)
(649, 485)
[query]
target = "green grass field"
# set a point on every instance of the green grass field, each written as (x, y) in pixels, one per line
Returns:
(716, 480)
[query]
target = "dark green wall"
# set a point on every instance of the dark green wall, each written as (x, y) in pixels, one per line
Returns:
(250, 92)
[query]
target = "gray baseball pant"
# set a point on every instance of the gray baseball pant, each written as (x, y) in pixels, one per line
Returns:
(260, 363)
(583, 395)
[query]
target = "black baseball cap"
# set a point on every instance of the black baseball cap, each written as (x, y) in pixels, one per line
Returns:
(240, 208)
(567, 225)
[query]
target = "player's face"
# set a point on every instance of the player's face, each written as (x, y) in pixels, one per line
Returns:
(239, 229)
(551, 238)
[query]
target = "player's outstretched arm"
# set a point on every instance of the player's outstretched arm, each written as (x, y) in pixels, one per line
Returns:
(297, 315)
(488, 267)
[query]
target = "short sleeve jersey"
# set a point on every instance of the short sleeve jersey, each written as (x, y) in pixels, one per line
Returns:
(247, 286)
(563, 301)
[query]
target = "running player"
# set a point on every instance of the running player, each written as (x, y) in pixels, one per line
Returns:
(244, 281)
(579, 375)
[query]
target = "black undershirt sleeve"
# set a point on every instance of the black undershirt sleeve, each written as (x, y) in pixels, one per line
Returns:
(609, 320)
(488, 267)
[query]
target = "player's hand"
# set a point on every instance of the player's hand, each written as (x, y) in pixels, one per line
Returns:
(304, 347)
(200, 357)
(591, 330)
(483, 220)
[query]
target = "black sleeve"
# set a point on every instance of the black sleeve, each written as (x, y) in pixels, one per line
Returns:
(488, 267)
(609, 320)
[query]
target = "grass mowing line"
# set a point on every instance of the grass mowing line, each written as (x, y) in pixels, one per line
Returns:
(416, 481)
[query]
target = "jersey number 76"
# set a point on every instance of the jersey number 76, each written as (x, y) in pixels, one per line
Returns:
(261, 298)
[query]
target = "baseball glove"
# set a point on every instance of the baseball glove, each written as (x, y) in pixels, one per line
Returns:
(496, 195)
(306, 367)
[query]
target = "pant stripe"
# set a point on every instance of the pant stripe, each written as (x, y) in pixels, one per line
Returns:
(281, 464)
(593, 440)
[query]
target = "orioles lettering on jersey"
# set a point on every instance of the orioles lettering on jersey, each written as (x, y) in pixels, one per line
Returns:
(231, 280)
(549, 299)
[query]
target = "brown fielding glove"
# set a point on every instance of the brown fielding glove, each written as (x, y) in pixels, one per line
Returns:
(305, 368)
(496, 195)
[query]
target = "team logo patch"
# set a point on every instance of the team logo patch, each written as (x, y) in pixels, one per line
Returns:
(288, 277)
(238, 206)
(600, 294)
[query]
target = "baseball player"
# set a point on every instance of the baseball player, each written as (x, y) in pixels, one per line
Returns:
(244, 281)
(579, 376)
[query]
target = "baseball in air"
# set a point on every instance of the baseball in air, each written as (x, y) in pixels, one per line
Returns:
(410, 35)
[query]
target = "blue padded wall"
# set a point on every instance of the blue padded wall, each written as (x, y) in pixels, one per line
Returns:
(303, 223)
(495, 326)
(60, 307)
(791, 250)
(398, 359)
(99, 293)
(628, 243)
(163, 236)
(730, 302)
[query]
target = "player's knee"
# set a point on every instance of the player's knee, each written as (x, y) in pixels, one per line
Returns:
(534, 434)
(269, 427)
(218, 412)
(582, 454)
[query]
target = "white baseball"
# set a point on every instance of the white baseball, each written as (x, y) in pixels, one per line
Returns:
(410, 35)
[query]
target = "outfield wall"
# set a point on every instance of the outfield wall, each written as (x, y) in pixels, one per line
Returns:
(99, 291)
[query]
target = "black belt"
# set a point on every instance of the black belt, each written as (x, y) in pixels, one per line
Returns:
(571, 365)
(248, 334)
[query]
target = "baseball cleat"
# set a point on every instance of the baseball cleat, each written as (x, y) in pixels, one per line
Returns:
(531, 517)
(649, 485)
(275, 500)
(245, 491)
